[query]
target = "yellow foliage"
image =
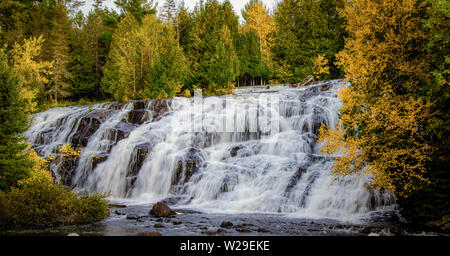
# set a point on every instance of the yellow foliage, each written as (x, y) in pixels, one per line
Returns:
(381, 131)
(68, 151)
(321, 66)
(32, 73)
(259, 21)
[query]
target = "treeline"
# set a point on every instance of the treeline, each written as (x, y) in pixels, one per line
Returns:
(145, 51)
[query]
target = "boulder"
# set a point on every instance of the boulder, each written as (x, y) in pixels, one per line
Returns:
(325, 87)
(226, 224)
(161, 209)
(148, 233)
(234, 150)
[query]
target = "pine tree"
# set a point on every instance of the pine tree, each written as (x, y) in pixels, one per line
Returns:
(169, 12)
(168, 69)
(138, 8)
(14, 165)
(61, 57)
(121, 70)
(305, 29)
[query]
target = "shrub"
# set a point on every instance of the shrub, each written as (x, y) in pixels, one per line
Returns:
(38, 202)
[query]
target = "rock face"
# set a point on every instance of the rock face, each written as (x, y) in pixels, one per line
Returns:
(88, 126)
(161, 209)
(188, 166)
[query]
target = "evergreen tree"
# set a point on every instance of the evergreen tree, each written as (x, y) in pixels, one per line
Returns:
(60, 51)
(169, 68)
(169, 12)
(138, 8)
(14, 165)
(305, 29)
(205, 38)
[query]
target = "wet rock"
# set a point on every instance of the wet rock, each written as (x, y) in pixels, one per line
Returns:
(138, 156)
(234, 150)
(325, 87)
(226, 224)
(137, 116)
(148, 233)
(177, 223)
(98, 159)
(243, 230)
(158, 107)
(132, 216)
(139, 104)
(121, 131)
(88, 126)
(158, 225)
(161, 209)
(188, 166)
(221, 231)
(295, 178)
(117, 205)
(262, 230)
(67, 165)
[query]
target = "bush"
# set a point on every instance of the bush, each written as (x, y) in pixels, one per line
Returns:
(38, 202)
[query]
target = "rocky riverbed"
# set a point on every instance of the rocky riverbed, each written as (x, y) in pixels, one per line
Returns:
(135, 220)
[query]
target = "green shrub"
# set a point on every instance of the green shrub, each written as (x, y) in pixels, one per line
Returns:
(38, 202)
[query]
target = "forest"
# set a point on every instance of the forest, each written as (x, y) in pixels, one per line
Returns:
(395, 116)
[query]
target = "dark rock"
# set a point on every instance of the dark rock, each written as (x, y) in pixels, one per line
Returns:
(226, 224)
(262, 230)
(121, 131)
(117, 205)
(325, 87)
(139, 104)
(295, 178)
(88, 126)
(98, 159)
(161, 209)
(221, 230)
(137, 116)
(147, 233)
(158, 107)
(177, 223)
(234, 150)
(188, 166)
(158, 225)
(138, 156)
(132, 216)
(243, 230)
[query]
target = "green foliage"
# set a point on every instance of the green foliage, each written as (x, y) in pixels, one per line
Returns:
(14, 165)
(169, 68)
(205, 47)
(304, 30)
(39, 203)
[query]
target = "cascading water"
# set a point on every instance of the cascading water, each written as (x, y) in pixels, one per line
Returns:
(254, 151)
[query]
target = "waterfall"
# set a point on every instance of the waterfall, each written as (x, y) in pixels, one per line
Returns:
(254, 151)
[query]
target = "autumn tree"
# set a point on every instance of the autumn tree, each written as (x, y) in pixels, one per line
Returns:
(384, 119)
(33, 74)
(257, 19)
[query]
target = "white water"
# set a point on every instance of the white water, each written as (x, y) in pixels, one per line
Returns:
(263, 176)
